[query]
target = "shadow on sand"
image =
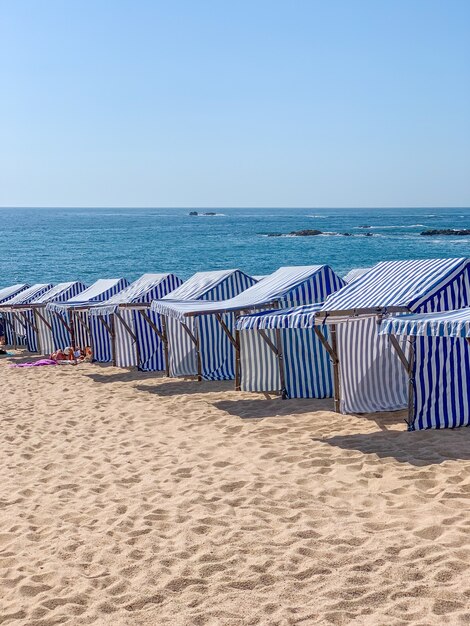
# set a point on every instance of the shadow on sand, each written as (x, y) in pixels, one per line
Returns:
(125, 375)
(180, 387)
(272, 407)
(430, 447)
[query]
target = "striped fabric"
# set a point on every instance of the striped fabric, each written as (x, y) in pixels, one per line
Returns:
(354, 274)
(443, 324)
(441, 377)
(5, 294)
(259, 364)
(398, 283)
(77, 307)
(288, 286)
(15, 326)
(215, 349)
(441, 383)
(372, 378)
(146, 350)
(9, 292)
(42, 341)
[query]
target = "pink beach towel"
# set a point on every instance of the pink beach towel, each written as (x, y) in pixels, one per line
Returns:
(39, 363)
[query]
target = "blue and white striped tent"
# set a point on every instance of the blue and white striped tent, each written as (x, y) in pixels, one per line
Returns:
(287, 287)
(72, 315)
(9, 292)
(135, 342)
(15, 324)
(371, 376)
(306, 367)
(438, 368)
(5, 294)
(354, 274)
(213, 359)
(39, 323)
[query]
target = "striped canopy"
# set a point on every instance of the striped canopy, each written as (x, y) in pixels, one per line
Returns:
(404, 284)
(201, 283)
(287, 283)
(296, 317)
(9, 292)
(136, 292)
(27, 295)
(354, 274)
(99, 291)
(443, 324)
(60, 292)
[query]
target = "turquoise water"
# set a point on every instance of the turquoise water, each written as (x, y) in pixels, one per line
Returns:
(51, 245)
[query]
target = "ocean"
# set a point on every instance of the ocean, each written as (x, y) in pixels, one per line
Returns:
(54, 245)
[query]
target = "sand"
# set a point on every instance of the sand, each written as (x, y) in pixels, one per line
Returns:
(126, 498)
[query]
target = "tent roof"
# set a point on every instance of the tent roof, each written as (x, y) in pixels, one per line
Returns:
(99, 291)
(265, 292)
(8, 292)
(199, 284)
(403, 284)
(27, 295)
(134, 292)
(295, 317)
(445, 324)
(56, 292)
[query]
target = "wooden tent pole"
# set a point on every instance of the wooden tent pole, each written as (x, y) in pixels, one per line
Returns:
(113, 337)
(280, 358)
(333, 352)
(237, 361)
(165, 346)
(334, 347)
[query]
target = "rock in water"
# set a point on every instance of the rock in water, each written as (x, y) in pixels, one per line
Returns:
(446, 231)
(193, 213)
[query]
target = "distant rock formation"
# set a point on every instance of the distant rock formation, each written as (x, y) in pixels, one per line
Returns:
(446, 231)
(311, 232)
(193, 213)
(207, 213)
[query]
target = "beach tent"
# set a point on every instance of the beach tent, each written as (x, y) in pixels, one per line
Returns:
(9, 292)
(369, 376)
(437, 366)
(304, 368)
(70, 323)
(15, 324)
(354, 274)
(121, 328)
(185, 357)
(38, 321)
(246, 355)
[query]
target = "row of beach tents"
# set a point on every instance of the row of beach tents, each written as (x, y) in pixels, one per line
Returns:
(385, 338)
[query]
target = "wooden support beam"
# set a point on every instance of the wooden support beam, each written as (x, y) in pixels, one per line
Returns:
(334, 347)
(43, 318)
(400, 353)
(166, 351)
(237, 362)
(152, 324)
(280, 358)
(126, 325)
(226, 330)
(264, 335)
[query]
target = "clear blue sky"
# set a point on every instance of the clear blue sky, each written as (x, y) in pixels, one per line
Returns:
(235, 103)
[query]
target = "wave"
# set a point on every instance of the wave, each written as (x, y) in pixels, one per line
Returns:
(318, 216)
(390, 227)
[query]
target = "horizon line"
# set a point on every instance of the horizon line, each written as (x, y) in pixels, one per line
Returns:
(199, 208)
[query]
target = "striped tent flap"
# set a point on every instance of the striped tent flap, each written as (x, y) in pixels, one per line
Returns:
(442, 324)
(441, 383)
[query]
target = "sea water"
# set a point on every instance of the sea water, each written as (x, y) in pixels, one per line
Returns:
(52, 245)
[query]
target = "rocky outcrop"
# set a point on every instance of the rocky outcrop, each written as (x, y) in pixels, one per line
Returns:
(463, 232)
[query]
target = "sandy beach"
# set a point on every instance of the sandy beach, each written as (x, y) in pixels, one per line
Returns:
(127, 498)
